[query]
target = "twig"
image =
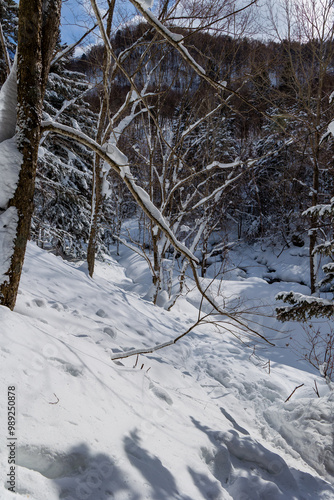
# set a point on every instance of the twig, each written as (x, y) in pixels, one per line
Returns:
(68, 49)
(136, 352)
(267, 364)
(56, 402)
(287, 399)
(134, 366)
(316, 390)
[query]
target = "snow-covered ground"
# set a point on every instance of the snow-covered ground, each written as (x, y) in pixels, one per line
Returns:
(203, 419)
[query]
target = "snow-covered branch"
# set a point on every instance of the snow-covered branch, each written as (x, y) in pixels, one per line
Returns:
(119, 163)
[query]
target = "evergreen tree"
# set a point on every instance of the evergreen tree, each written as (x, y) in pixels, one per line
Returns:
(64, 179)
(8, 19)
(304, 307)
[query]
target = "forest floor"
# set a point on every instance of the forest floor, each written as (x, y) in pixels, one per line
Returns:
(206, 418)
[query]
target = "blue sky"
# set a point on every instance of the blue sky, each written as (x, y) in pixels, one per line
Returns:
(75, 20)
(72, 21)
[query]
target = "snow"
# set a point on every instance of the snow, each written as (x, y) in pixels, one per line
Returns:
(205, 418)
(331, 127)
(8, 224)
(143, 7)
(300, 298)
(10, 164)
(185, 51)
(319, 210)
(157, 216)
(8, 102)
(217, 164)
(176, 37)
(146, 4)
(116, 155)
(106, 190)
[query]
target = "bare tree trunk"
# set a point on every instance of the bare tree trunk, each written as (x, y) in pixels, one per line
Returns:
(313, 230)
(36, 42)
(97, 195)
(156, 278)
(96, 215)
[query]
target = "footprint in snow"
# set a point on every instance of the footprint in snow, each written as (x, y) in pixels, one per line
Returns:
(234, 350)
(110, 331)
(101, 313)
(39, 302)
(161, 394)
(57, 306)
(66, 367)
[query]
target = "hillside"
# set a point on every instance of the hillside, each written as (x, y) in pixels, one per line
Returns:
(203, 419)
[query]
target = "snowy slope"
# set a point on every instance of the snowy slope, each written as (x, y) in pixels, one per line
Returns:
(203, 419)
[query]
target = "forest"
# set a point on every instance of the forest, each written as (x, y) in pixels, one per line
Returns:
(251, 159)
(254, 160)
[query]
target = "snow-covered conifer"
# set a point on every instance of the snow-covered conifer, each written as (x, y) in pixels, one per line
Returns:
(64, 178)
(8, 20)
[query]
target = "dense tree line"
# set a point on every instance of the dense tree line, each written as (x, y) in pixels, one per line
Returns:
(277, 188)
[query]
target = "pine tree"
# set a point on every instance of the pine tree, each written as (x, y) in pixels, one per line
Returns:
(304, 307)
(8, 19)
(64, 179)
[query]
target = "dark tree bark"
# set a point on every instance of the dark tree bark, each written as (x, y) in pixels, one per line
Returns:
(37, 35)
(96, 215)
(313, 230)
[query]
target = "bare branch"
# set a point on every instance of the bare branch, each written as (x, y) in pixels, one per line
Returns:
(215, 21)
(139, 194)
(5, 51)
(68, 49)
(298, 386)
(157, 347)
